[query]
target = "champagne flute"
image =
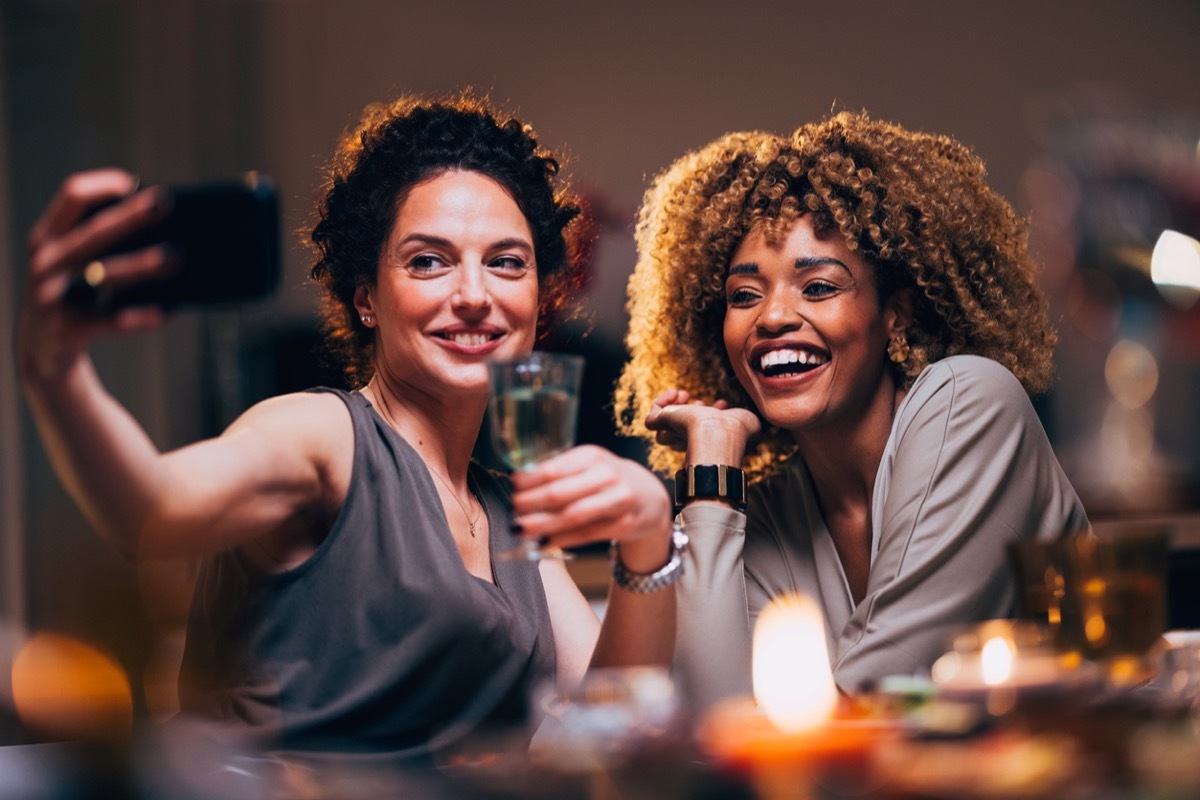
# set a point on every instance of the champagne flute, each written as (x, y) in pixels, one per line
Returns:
(533, 405)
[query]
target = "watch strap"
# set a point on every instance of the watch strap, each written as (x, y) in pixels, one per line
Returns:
(661, 578)
(711, 482)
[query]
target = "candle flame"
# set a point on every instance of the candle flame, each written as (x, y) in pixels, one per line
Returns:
(996, 661)
(793, 683)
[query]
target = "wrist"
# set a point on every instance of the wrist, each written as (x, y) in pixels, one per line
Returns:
(644, 555)
(647, 582)
(49, 374)
(714, 442)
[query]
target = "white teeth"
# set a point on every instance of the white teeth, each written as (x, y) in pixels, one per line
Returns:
(775, 358)
(470, 339)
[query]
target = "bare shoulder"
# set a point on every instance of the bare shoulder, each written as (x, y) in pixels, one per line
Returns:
(314, 427)
(301, 409)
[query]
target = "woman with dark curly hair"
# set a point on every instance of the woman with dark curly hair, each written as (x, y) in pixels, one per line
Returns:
(851, 316)
(350, 599)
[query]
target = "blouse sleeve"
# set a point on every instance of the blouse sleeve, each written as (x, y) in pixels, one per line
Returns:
(712, 646)
(968, 470)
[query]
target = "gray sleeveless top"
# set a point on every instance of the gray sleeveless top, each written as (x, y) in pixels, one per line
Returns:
(380, 643)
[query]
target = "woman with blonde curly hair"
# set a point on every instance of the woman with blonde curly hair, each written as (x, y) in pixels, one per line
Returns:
(849, 314)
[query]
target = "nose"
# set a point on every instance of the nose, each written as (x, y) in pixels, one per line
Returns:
(472, 292)
(778, 314)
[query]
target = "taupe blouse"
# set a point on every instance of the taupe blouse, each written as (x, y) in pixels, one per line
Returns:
(967, 469)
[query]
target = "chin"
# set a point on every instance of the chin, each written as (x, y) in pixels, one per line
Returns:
(788, 417)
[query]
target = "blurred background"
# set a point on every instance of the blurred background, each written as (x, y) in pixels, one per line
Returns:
(1087, 114)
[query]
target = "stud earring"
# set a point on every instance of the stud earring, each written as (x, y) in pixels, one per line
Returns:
(367, 319)
(897, 348)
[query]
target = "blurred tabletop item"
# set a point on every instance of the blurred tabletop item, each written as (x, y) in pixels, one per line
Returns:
(1087, 696)
(1069, 735)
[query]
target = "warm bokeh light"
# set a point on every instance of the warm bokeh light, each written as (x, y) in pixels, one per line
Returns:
(1131, 373)
(793, 683)
(1092, 594)
(946, 667)
(1175, 268)
(996, 661)
(1000, 654)
(66, 690)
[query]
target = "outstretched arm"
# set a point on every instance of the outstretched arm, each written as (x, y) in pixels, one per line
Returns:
(98, 450)
(194, 500)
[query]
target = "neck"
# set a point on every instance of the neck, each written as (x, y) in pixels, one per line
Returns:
(844, 459)
(444, 433)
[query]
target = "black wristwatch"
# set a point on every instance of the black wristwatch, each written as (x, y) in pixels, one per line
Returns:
(711, 482)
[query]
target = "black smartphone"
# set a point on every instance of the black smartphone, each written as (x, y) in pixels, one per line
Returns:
(225, 242)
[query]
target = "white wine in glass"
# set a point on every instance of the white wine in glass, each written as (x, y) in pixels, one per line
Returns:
(533, 406)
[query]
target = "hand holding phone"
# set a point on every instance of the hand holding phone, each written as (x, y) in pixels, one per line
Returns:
(223, 239)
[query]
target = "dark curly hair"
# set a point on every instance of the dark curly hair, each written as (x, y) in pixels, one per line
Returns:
(914, 205)
(401, 144)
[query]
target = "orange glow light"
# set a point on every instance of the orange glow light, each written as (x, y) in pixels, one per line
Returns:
(64, 689)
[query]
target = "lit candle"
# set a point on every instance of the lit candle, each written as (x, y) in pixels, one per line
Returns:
(792, 681)
(1006, 656)
(797, 723)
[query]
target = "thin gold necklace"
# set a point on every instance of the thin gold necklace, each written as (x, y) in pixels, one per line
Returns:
(387, 413)
(467, 514)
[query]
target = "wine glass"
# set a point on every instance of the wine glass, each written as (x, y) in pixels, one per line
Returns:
(533, 406)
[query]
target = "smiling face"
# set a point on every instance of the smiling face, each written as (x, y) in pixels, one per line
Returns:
(805, 332)
(456, 285)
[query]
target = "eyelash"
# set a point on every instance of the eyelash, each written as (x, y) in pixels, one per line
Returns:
(426, 262)
(826, 289)
(429, 262)
(740, 296)
(816, 290)
(509, 263)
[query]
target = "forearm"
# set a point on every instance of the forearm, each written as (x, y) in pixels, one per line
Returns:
(638, 629)
(713, 640)
(101, 454)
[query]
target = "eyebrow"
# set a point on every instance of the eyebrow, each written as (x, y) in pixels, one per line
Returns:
(512, 242)
(805, 262)
(439, 241)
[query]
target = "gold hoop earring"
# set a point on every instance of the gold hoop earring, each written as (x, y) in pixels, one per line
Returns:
(897, 348)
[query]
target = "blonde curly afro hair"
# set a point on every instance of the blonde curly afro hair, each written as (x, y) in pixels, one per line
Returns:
(915, 205)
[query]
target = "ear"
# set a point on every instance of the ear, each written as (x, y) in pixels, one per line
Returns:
(898, 311)
(362, 301)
